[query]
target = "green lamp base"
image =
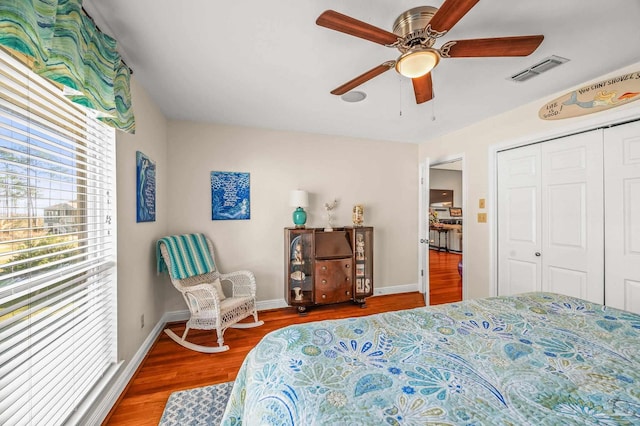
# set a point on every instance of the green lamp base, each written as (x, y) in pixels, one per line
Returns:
(299, 217)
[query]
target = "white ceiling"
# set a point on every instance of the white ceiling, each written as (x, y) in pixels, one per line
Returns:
(267, 64)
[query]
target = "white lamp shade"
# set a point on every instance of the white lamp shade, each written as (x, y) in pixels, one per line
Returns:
(299, 198)
(417, 63)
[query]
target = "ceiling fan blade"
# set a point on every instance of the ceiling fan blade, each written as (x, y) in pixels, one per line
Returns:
(449, 14)
(500, 46)
(363, 78)
(345, 24)
(423, 88)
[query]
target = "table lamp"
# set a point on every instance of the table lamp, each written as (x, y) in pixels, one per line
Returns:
(299, 199)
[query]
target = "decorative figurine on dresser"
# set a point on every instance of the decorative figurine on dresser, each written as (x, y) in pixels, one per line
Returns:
(323, 267)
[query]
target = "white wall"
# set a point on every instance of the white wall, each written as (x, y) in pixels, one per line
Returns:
(479, 141)
(140, 291)
(381, 175)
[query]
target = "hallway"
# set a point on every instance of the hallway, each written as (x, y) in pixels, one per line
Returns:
(445, 283)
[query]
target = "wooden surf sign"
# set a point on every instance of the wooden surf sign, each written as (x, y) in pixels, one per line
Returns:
(596, 97)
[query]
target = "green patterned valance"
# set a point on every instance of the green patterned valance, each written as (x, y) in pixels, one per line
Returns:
(123, 117)
(68, 48)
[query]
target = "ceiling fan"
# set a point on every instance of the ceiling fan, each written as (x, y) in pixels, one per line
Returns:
(414, 34)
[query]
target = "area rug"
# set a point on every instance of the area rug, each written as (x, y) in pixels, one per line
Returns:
(199, 406)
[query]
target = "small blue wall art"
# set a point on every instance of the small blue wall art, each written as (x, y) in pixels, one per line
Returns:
(145, 188)
(230, 196)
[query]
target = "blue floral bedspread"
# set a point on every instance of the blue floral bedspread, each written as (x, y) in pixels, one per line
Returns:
(532, 359)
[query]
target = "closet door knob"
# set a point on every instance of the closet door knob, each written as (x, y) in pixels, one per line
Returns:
(538, 254)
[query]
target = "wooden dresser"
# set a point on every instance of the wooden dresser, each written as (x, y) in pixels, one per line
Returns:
(328, 267)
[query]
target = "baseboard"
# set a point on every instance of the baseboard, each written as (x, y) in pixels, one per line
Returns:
(396, 289)
(175, 316)
(113, 393)
(265, 305)
(262, 305)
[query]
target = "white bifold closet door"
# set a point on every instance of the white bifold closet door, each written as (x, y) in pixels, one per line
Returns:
(550, 217)
(519, 221)
(622, 216)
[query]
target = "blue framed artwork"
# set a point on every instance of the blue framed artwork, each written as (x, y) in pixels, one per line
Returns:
(145, 188)
(230, 196)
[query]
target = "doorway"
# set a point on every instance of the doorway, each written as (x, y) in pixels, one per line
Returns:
(444, 217)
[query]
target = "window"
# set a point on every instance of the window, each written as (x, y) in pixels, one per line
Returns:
(57, 252)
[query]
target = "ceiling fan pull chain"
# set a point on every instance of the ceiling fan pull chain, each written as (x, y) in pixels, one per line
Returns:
(400, 94)
(433, 110)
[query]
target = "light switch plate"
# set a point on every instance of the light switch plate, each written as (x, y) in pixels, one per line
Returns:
(481, 203)
(482, 218)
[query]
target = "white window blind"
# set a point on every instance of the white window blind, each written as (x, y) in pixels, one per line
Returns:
(57, 251)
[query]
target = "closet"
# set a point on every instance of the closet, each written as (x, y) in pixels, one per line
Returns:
(569, 217)
(622, 216)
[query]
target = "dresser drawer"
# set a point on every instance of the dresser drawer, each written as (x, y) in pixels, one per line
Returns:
(333, 280)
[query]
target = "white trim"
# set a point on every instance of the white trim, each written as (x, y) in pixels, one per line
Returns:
(423, 230)
(261, 305)
(450, 158)
(492, 213)
(614, 119)
(113, 393)
(265, 305)
(174, 316)
(396, 289)
(466, 218)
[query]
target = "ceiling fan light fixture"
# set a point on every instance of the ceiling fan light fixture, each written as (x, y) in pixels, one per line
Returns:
(417, 62)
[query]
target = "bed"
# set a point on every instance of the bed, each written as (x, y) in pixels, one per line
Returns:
(535, 358)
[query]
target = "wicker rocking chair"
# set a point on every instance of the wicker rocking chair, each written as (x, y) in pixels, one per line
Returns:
(209, 309)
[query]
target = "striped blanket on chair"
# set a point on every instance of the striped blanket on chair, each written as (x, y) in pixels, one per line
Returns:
(188, 255)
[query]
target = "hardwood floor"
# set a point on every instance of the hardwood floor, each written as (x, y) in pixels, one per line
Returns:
(169, 367)
(445, 283)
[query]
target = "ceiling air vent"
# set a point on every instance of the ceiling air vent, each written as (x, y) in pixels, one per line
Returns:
(539, 68)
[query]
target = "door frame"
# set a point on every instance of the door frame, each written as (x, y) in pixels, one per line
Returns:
(423, 209)
(423, 235)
